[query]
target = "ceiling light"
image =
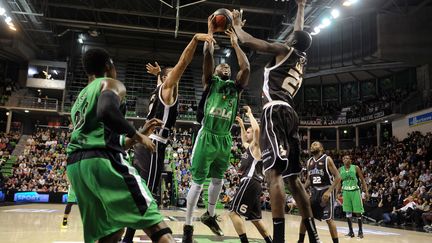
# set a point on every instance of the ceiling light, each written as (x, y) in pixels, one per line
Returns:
(317, 30)
(7, 113)
(348, 3)
(335, 13)
(2, 11)
(26, 111)
(345, 131)
(12, 27)
(8, 20)
(325, 22)
(386, 121)
(80, 40)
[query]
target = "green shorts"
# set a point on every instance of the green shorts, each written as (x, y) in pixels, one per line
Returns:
(352, 202)
(71, 195)
(210, 156)
(110, 193)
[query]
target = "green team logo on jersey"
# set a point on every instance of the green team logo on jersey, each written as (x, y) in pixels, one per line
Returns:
(220, 113)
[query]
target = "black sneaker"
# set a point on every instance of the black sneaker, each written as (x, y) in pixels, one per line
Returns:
(211, 223)
(350, 234)
(187, 234)
(360, 235)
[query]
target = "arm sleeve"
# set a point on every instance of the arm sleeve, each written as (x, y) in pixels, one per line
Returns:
(108, 111)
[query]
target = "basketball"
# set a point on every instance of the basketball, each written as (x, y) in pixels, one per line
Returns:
(221, 20)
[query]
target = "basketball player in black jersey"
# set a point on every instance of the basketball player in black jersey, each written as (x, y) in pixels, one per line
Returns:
(280, 144)
(246, 200)
(163, 106)
(323, 178)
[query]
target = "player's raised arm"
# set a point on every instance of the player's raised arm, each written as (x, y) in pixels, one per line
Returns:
(243, 137)
(185, 59)
(299, 22)
(208, 63)
(242, 78)
(255, 43)
(255, 127)
(108, 111)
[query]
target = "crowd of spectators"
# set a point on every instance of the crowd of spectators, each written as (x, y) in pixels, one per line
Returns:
(8, 142)
(398, 173)
(42, 165)
(399, 179)
(331, 110)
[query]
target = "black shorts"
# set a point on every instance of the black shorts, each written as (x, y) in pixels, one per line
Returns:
(150, 165)
(322, 211)
(280, 144)
(246, 201)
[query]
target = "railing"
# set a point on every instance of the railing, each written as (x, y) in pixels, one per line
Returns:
(33, 103)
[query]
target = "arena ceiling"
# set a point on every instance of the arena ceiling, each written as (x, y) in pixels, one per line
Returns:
(49, 26)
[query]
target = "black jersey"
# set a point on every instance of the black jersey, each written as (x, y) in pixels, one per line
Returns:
(283, 80)
(166, 113)
(250, 167)
(318, 172)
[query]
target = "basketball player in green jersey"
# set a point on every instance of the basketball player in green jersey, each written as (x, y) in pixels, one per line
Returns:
(351, 193)
(212, 148)
(110, 192)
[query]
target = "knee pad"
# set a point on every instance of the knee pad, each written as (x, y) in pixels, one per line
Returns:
(349, 215)
(157, 235)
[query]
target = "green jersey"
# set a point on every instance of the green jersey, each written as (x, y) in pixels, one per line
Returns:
(88, 131)
(349, 178)
(220, 107)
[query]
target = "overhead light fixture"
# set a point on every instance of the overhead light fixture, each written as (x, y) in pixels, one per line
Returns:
(26, 111)
(39, 90)
(325, 22)
(386, 121)
(348, 3)
(2, 11)
(335, 13)
(7, 113)
(12, 27)
(8, 20)
(345, 131)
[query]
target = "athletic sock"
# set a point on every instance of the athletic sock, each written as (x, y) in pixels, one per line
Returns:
(214, 190)
(335, 240)
(243, 238)
(268, 239)
(311, 230)
(301, 238)
(192, 199)
(349, 220)
(279, 230)
(360, 224)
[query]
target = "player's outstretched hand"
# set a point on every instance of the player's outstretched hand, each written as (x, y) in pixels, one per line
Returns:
(155, 70)
(301, 2)
(150, 126)
(144, 140)
(205, 37)
(233, 36)
(247, 109)
(239, 120)
(237, 18)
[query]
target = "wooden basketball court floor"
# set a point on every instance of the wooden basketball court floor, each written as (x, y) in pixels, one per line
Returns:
(40, 223)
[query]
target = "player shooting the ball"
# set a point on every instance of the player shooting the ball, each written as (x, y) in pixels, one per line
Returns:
(212, 148)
